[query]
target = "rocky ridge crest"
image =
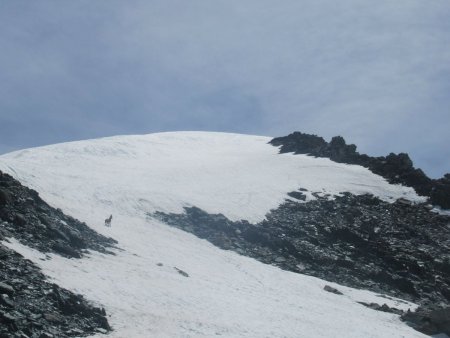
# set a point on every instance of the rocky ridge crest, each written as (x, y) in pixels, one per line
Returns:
(396, 168)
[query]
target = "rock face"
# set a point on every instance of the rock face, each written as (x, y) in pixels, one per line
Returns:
(396, 168)
(29, 305)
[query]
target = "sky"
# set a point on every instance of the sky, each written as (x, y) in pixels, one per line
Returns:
(375, 72)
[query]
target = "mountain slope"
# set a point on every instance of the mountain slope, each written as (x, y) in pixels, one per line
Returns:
(165, 282)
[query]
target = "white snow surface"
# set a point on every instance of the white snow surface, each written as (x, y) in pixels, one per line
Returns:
(225, 294)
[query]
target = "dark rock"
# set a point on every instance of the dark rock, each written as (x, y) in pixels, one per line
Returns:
(53, 317)
(404, 201)
(20, 219)
(76, 332)
(5, 288)
(440, 191)
(297, 195)
(5, 197)
(181, 272)
(9, 318)
(56, 233)
(46, 335)
(429, 319)
(76, 238)
(300, 143)
(382, 308)
(332, 290)
(21, 334)
(103, 322)
(6, 301)
(63, 248)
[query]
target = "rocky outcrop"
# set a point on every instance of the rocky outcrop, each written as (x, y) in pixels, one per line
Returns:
(30, 306)
(399, 249)
(396, 168)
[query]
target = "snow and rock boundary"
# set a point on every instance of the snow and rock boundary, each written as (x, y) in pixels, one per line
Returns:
(397, 249)
(26, 217)
(30, 304)
(396, 168)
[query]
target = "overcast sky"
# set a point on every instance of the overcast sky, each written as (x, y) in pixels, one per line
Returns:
(375, 72)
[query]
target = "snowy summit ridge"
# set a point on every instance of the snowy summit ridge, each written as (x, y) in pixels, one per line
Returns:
(239, 176)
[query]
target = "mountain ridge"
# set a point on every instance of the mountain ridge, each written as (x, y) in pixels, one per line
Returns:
(396, 168)
(143, 286)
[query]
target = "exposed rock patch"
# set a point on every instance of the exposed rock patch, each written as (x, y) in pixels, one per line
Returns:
(398, 249)
(360, 241)
(396, 168)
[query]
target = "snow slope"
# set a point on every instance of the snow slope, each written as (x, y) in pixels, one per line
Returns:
(225, 294)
